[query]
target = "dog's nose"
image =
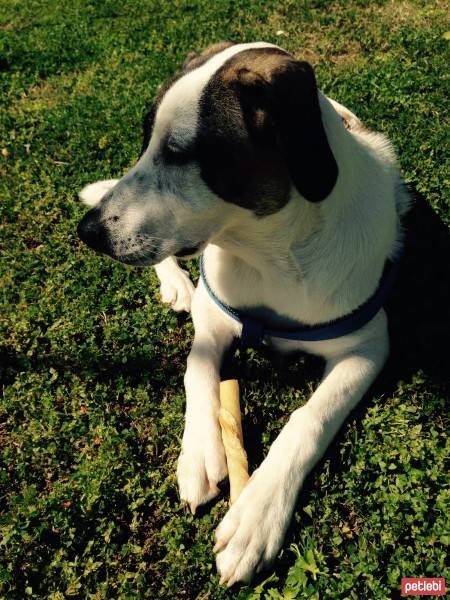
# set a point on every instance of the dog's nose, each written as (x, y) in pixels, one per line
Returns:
(92, 231)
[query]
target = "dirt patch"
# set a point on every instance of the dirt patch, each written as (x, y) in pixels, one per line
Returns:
(54, 90)
(336, 41)
(397, 14)
(313, 41)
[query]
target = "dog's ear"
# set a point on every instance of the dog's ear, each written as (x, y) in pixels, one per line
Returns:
(190, 60)
(280, 100)
(197, 59)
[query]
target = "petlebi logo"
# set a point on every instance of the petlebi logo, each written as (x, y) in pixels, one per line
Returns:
(423, 586)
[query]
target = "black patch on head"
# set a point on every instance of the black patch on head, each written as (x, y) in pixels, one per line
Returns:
(239, 160)
(260, 130)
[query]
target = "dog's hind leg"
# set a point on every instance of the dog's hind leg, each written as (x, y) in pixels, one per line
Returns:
(176, 287)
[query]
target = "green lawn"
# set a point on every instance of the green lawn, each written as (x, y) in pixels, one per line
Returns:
(92, 366)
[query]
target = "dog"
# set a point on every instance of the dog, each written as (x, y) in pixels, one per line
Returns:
(296, 208)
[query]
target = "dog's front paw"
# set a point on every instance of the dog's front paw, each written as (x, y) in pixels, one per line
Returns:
(251, 533)
(201, 464)
(177, 290)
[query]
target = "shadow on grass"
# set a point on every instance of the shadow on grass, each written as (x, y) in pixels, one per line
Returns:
(139, 366)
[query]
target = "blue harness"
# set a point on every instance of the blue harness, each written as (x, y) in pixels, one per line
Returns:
(254, 330)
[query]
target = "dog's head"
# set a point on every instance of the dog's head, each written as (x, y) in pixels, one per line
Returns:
(238, 129)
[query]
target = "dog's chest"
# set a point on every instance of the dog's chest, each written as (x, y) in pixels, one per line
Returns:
(277, 298)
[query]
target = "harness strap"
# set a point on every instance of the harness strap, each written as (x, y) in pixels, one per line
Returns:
(254, 330)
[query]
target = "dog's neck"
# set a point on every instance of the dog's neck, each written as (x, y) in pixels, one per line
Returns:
(330, 254)
(267, 243)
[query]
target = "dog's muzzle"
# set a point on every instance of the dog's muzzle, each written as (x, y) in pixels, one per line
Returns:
(92, 232)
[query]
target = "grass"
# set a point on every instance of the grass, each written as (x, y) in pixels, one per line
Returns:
(92, 366)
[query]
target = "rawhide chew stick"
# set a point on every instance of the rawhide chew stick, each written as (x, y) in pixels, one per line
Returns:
(230, 423)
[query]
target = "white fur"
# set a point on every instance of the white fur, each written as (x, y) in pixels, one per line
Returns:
(176, 287)
(310, 262)
(93, 193)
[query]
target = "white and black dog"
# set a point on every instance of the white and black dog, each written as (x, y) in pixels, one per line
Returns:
(296, 208)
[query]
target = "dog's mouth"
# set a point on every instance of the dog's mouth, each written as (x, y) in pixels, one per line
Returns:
(188, 252)
(140, 259)
(142, 251)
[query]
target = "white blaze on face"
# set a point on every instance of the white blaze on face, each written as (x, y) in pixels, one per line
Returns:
(178, 111)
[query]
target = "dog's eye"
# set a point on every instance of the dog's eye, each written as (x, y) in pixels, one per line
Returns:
(174, 153)
(174, 148)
